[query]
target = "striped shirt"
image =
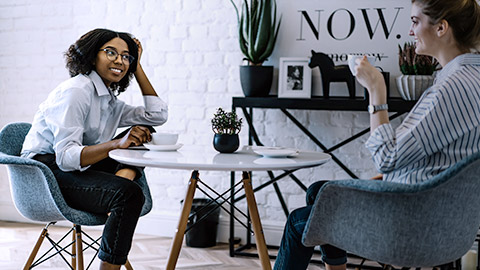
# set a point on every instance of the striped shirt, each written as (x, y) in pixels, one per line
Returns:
(442, 129)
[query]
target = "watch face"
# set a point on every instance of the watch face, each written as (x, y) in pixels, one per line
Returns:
(371, 109)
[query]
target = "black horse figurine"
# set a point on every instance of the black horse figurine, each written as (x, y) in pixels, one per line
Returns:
(331, 73)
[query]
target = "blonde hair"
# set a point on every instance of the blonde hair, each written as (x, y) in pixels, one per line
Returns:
(463, 16)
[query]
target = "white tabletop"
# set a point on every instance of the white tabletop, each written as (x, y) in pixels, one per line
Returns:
(189, 158)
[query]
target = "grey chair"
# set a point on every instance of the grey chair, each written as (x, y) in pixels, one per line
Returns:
(418, 225)
(37, 197)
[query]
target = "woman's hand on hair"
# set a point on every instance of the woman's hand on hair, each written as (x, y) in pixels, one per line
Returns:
(137, 135)
(140, 49)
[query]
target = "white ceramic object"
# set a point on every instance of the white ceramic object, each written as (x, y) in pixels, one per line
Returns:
(411, 87)
(275, 152)
(164, 138)
(163, 147)
(266, 161)
(352, 61)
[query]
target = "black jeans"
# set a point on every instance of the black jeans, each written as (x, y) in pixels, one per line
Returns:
(98, 190)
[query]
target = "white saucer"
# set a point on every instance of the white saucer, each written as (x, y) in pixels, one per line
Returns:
(276, 161)
(161, 147)
(275, 152)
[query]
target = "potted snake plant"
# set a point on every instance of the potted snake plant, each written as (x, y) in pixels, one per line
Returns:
(226, 126)
(417, 72)
(257, 31)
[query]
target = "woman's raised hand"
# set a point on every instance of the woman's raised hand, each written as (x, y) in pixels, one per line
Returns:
(140, 49)
(368, 76)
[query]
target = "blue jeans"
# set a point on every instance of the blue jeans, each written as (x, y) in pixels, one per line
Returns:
(293, 255)
(97, 190)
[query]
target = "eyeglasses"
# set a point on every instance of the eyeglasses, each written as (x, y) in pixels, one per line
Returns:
(112, 56)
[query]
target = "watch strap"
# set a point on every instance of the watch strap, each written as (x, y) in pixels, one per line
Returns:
(376, 108)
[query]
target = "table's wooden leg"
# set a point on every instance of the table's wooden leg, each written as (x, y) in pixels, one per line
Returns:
(182, 224)
(257, 225)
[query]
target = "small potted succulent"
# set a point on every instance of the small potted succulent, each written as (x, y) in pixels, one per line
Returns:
(226, 126)
(417, 72)
(257, 32)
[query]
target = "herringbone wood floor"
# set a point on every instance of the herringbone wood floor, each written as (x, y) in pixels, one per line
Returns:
(147, 253)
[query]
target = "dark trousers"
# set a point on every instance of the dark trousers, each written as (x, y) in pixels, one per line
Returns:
(293, 255)
(98, 190)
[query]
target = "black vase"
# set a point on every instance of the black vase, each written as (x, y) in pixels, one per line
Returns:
(256, 80)
(226, 143)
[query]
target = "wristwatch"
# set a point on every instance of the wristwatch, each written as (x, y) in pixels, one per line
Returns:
(376, 108)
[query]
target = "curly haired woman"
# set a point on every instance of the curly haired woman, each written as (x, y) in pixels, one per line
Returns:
(73, 129)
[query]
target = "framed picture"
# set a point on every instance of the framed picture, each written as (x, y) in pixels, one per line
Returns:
(295, 78)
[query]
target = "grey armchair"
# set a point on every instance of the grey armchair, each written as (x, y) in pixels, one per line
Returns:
(417, 225)
(36, 196)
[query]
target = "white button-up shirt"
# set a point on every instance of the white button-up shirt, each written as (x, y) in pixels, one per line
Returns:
(442, 129)
(82, 111)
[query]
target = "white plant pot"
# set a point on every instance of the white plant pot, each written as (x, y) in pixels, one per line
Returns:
(411, 87)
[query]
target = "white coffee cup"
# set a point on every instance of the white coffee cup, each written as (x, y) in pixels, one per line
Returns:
(352, 58)
(164, 138)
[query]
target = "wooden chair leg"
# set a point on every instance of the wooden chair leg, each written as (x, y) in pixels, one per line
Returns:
(78, 242)
(128, 266)
(74, 249)
(36, 248)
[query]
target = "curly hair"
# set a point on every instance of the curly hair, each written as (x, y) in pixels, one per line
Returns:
(81, 55)
(463, 17)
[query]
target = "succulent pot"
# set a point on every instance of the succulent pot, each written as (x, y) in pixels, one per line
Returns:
(256, 80)
(226, 143)
(411, 87)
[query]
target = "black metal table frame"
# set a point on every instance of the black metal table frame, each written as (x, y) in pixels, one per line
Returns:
(396, 105)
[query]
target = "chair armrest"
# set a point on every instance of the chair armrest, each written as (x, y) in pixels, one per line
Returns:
(14, 160)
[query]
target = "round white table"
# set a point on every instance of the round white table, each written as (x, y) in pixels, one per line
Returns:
(189, 158)
(195, 159)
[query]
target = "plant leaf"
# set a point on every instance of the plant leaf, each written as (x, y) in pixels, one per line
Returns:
(257, 31)
(264, 31)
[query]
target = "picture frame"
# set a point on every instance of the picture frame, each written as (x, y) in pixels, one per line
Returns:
(294, 78)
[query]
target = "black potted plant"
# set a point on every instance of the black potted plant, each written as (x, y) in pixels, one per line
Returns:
(226, 126)
(257, 30)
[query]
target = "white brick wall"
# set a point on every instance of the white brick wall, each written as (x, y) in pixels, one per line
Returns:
(192, 57)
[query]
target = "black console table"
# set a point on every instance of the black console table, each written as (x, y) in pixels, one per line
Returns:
(397, 106)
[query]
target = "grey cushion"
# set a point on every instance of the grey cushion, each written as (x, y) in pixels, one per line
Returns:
(35, 191)
(426, 224)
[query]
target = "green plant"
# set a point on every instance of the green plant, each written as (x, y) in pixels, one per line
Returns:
(415, 64)
(257, 30)
(226, 122)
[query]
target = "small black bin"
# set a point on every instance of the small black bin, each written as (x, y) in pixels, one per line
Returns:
(203, 233)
